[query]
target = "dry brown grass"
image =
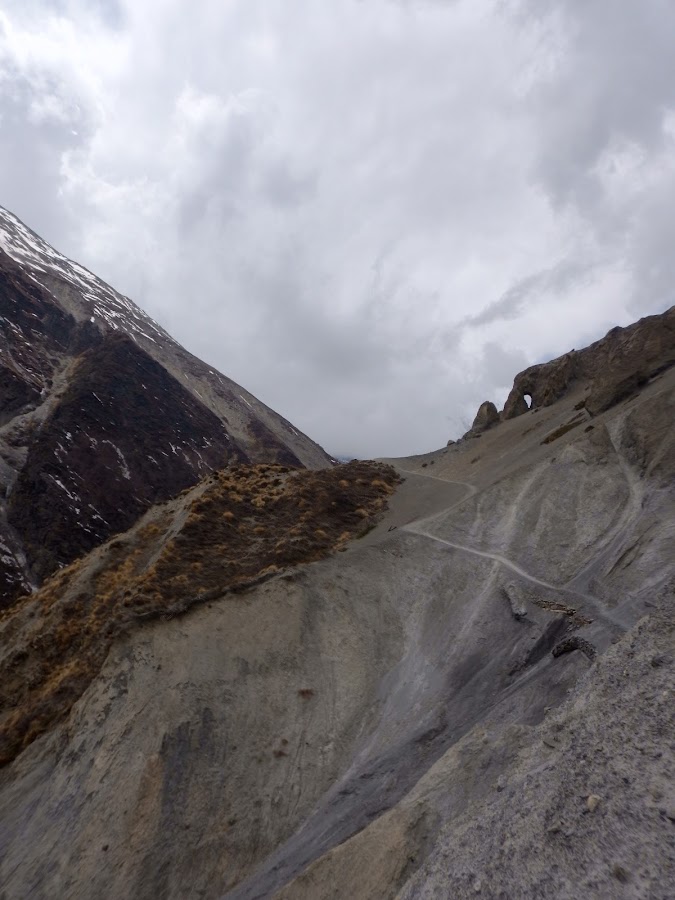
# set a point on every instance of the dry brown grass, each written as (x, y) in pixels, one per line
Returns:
(248, 524)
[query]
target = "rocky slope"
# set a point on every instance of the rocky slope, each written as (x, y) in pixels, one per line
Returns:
(472, 699)
(102, 413)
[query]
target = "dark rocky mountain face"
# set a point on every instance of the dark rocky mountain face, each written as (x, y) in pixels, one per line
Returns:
(103, 414)
(123, 436)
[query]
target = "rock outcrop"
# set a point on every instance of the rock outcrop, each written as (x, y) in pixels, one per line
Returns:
(486, 417)
(614, 387)
(611, 368)
(544, 384)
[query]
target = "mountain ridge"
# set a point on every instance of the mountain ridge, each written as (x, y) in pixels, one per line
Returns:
(58, 321)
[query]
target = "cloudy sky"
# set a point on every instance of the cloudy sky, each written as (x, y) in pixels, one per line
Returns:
(370, 213)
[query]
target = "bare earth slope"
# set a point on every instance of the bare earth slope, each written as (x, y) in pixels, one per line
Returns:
(474, 699)
(102, 413)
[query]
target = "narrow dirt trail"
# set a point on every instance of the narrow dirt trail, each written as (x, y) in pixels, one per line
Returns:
(472, 490)
(598, 608)
(611, 618)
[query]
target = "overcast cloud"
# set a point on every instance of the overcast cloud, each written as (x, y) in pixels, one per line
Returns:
(370, 214)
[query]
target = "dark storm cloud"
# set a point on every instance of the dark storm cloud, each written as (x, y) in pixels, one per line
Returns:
(372, 215)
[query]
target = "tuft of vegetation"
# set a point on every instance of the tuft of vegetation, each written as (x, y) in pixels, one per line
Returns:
(236, 529)
(563, 429)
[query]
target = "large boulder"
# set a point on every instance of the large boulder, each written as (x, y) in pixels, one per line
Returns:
(486, 417)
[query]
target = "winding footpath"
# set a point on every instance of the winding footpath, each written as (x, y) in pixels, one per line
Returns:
(611, 618)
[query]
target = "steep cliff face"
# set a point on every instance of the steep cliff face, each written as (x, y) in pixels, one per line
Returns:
(102, 413)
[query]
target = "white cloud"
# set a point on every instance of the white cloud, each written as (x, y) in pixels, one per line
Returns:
(363, 212)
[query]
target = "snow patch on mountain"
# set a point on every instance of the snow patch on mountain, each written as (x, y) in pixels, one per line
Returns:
(102, 304)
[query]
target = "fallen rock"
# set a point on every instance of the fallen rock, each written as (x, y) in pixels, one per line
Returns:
(570, 644)
(661, 659)
(593, 802)
(620, 873)
(516, 602)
